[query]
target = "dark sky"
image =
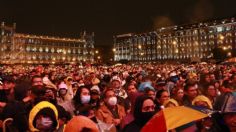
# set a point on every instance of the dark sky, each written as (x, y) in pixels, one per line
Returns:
(106, 18)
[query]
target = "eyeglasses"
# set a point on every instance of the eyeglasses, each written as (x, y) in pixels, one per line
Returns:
(149, 108)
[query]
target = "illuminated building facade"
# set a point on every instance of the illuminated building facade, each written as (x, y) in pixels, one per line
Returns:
(194, 41)
(25, 48)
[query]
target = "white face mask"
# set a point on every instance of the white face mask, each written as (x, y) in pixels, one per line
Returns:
(44, 123)
(112, 101)
(85, 99)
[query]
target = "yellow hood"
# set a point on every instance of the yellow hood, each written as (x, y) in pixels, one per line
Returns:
(204, 99)
(36, 109)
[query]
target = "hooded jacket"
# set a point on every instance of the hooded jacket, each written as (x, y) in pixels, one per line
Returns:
(36, 109)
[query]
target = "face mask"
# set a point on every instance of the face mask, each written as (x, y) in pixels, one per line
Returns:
(112, 101)
(38, 91)
(146, 116)
(85, 99)
(44, 123)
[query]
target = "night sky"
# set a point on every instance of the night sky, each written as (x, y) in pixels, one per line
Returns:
(108, 17)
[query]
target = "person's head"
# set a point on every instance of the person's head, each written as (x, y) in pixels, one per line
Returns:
(212, 77)
(115, 84)
(110, 97)
(217, 84)
(162, 96)
(170, 103)
(50, 95)
(82, 96)
(211, 91)
(62, 89)
(207, 78)
(95, 92)
(37, 81)
(191, 90)
(225, 86)
(229, 112)
(178, 93)
(43, 117)
(150, 93)
(161, 84)
(75, 85)
(202, 101)
(230, 121)
(131, 88)
(144, 109)
(9, 84)
(38, 92)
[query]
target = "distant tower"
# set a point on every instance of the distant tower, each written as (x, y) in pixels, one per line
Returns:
(89, 45)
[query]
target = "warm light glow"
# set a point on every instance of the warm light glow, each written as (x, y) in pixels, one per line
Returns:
(221, 37)
(229, 54)
(174, 42)
(64, 52)
(139, 46)
(141, 54)
(96, 52)
(99, 57)
(114, 49)
(224, 48)
(176, 51)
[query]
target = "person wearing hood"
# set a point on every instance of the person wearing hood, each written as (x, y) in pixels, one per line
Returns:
(144, 109)
(132, 96)
(43, 117)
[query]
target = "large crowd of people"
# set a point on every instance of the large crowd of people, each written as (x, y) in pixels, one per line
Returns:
(75, 98)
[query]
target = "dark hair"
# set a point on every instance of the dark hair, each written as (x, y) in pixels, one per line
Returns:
(206, 88)
(232, 77)
(148, 89)
(226, 83)
(36, 76)
(139, 104)
(159, 93)
(77, 98)
(189, 83)
(105, 92)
